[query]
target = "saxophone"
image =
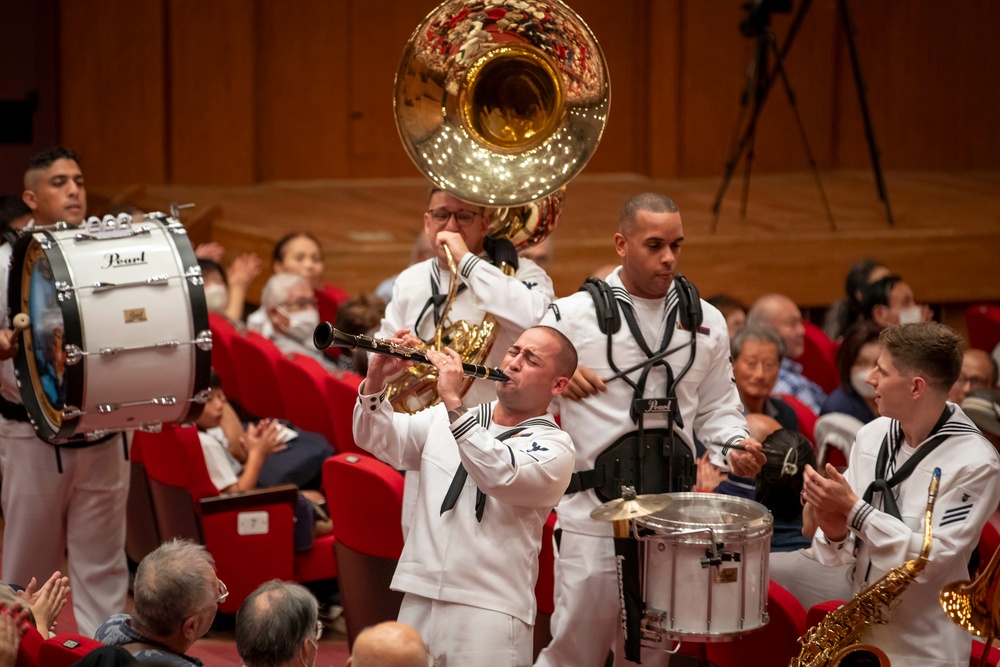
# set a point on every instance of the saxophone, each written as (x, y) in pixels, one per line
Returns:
(836, 637)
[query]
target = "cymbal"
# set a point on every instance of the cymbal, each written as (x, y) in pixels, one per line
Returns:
(622, 509)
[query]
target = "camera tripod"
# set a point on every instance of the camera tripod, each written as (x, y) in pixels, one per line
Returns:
(760, 79)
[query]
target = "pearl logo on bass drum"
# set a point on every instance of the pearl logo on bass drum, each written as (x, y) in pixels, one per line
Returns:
(114, 260)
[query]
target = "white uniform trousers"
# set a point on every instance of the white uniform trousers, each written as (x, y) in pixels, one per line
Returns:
(459, 635)
(80, 511)
(586, 622)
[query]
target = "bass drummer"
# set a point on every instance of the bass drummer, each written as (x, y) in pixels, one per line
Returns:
(643, 308)
(54, 499)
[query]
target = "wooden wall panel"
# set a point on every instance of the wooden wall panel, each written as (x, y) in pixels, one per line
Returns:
(112, 88)
(665, 109)
(301, 90)
(210, 92)
(931, 74)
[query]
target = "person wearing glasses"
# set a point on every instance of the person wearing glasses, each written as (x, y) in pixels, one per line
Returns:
(517, 302)
(278, 626)
(177, 594)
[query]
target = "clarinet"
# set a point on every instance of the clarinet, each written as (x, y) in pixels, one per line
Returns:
(326, 335)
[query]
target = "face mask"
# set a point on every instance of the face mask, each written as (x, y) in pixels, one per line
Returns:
(864, 389)
(216, 297)
(301, 324)
(910, 315)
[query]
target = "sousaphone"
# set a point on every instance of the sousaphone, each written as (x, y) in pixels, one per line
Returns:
(500, 104)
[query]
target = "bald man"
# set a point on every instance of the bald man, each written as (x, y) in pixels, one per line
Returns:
(780, 313)
(389, 644)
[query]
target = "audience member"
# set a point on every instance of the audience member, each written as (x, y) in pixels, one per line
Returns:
(855, 360)
(177, 595)
(389, 644)
(14, 215)
(292, 316)
(540, 253)
(847, 311)
(890, 301)
(781, 314)
(278, 626)
(13, 624)
(979, 373)
(983, 408)
(756, 354)
(226, 290)
(358, 316)
(733, 310)
(47, 602)
(779, 485)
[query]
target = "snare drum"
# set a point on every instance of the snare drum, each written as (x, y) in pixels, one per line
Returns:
(119, 336)
(704, 568)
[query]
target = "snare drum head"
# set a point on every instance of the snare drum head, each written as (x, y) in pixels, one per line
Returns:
(724, 515)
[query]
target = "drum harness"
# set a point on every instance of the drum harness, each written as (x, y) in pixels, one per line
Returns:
(627, 461)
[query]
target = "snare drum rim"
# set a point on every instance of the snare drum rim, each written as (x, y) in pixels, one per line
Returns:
(72, 335)
(750, 529)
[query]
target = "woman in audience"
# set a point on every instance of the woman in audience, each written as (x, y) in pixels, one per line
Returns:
(226, 291)
(855, 360)
(890, 301)
(845, 312)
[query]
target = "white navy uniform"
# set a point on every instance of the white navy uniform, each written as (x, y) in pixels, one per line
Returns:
(482, 572)
(586, 620)
(47, 513)
(517, 302)
(918, 631)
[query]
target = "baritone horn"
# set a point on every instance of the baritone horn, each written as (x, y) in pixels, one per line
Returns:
(500, 104)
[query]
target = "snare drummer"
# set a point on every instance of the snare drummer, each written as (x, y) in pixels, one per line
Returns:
(597, 415)
(47, 511)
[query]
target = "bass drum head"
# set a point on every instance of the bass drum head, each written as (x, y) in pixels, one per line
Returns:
(55, 322)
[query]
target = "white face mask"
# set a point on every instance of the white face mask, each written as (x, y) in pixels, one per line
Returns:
(301, 324)
(216, 297)
(864, 389)
(911, 315)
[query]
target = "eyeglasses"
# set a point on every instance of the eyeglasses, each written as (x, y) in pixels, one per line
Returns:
(223, 593)
(304, 302)
(464, 218)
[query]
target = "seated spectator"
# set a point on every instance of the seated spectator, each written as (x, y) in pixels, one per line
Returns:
(177, 595)
(292, 315)
(226, 291)
(540, 253)
(779, 484)
(267, 453)
(733, 310)
(44, 604)
(14, 216)
(781, 314)
(855, 360)
(979, 373)
(277, 626)
(358, 316)
(13, 624)
(389, 644)
(983, 408)
(756, 354)
(847, 311)
(890, 301)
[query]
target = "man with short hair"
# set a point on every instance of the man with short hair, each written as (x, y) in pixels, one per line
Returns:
(54, 497)
(277, 626)
(388, 644)
(872, 517)
(757, 353)
(979, 373)
(688, 392)
(177, 595)
(292, 315)
(780, 313)
(489, 477)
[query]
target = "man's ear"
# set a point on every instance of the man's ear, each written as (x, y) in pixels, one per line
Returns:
(559, 386)
(620, 242)
(30, 199)
(918, 386)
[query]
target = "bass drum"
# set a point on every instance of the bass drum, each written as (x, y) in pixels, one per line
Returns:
(119, 336)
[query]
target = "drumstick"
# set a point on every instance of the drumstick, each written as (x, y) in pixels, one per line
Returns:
(21, 321)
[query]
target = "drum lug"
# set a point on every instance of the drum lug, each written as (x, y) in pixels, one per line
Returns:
(107, 408)
(111, 351)
(201, 397)
(204, 340)
(193, 274)
(73, 354)
(652, 626)
(163, 400)
(70, 412)
(151, 427)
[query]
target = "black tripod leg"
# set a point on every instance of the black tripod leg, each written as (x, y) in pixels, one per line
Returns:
(859, 82)
(779, 67)
(751, 102)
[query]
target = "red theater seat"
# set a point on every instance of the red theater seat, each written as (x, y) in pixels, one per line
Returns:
(341, 395)
(819, 359)
(774, 644)
(223, 334)
(983, 322)
(255, 360)
(365, 498)
(545, 587)
(250, 534)
(807, 418)
(142, 534)
(303, 383)
(65, 650)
